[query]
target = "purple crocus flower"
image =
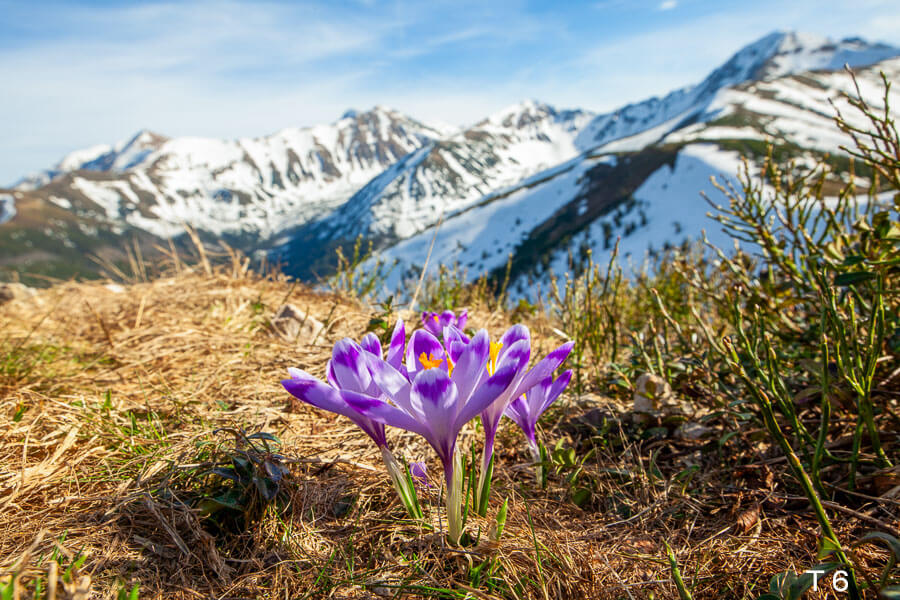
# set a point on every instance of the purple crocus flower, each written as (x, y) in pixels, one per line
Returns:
(515, 342)
(349, 377)
(435, 398)
(346, 371)
(419, 472)
(436, 322)
(528, 408)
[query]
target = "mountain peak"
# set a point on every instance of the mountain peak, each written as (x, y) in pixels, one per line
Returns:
(786, 52)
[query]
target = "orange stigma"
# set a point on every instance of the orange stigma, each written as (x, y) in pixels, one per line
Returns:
(428, 362)
(495, 352)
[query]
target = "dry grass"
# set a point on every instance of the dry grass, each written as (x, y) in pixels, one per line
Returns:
(122, 389)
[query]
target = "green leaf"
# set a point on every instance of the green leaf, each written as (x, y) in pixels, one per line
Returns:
(267, 488)
(853, 277)
(724, 439)
(828, 547)
(226, 472)
(6, 592)
(891, 542)
(581, 497)
(274, 471)
(501, 518)
(230, 499)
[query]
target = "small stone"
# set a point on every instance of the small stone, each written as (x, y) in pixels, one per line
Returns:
(15, 291)
(692, 431)
(650, 393)
(291, 324)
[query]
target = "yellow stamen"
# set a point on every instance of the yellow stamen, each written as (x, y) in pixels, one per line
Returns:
(495, 352)
(450, 366)
(428, 362)
(435, 317)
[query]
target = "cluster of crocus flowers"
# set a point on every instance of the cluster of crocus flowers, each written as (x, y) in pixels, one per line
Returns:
(433, 389)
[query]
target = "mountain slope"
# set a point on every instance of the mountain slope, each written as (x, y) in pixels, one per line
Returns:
(649, 197)
(245, 189)
(454, 172)
(493, 158)
(775, 55)
(531, 180)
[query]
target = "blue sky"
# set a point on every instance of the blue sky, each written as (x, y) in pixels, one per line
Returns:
(77, 74)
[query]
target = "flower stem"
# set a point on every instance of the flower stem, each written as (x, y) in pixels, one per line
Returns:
(453, 475)
(402, 483)
(537, 460)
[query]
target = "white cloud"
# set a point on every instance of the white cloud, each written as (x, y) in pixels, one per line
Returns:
(668, 4)
(239, 68)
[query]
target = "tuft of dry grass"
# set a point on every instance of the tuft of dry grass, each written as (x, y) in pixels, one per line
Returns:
(111, 395)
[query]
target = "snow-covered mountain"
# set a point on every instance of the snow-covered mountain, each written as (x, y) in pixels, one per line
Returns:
(509, 156)
(455, 172)
(776, 55)
(648, 197)
(531, 180)
(251, 188)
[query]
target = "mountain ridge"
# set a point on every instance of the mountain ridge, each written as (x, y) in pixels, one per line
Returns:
(298, 193)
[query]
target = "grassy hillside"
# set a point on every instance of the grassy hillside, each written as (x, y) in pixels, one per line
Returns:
(732, 422)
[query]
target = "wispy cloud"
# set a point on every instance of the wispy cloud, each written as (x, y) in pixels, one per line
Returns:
(81, 72)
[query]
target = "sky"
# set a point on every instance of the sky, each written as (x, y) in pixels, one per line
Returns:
(80, 73)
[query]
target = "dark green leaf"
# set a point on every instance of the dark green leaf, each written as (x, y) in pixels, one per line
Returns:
(891, 542)
(853, 277)
(227, 473)
(274, 471)
(581, 497)
(267, 489)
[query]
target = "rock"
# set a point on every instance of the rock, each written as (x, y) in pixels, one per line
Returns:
(291, 324)
(651, 392)
(15, 291)
(692, 431)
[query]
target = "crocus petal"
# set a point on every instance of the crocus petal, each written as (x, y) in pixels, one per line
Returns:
(312, 391)
(419, 472)
(556, 389)
(437, 395)
(349, 366)
(421, 342)
(446, 318)
(469, 367)
(544, 368)
(398, 346)
(329, 374)
(485, 394)
(370, 343)
(516, 360)
(431, 322)
(519, 411)
(517, 354)
(454, 340)
(381, 412)
(392, 384)
(462, 319)
(512, 335)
